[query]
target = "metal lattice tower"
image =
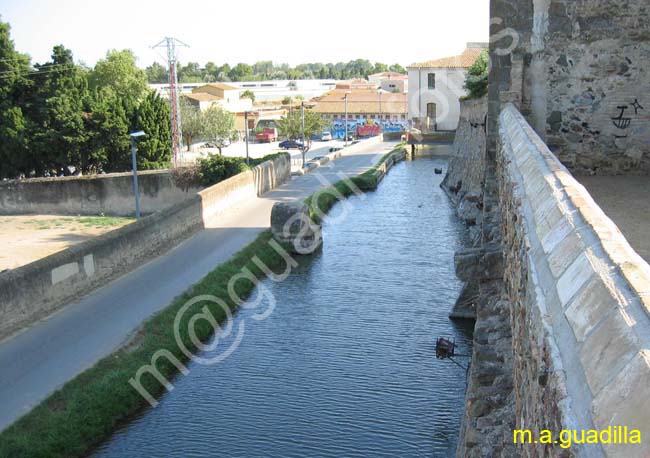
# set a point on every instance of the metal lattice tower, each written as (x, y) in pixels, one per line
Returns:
(174, 97)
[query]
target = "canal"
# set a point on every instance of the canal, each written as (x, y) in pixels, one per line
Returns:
(345, 364)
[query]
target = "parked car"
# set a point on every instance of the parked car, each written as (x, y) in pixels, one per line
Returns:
(326, 137)
(268, 135)
(291, 144)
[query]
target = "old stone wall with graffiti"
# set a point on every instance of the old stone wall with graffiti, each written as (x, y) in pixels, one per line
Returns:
(579, 70)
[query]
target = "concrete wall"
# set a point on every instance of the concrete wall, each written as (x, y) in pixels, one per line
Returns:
(580, 302)
(37, 289)
(111, 194)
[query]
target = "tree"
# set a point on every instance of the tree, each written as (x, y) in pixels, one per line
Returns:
(219, 126)
(57, 112)
(14, 87)
(290, 126)
(397, 68)
(248, 94)
(476, 81)
(380, 68)
(154, 150)
(156, 74)
(107, 148)
(241, 72)
(119, 72)
(192, 122)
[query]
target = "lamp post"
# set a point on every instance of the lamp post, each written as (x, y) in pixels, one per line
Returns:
(379, 92)
(346, 118)
(136, 192)
(246, 135)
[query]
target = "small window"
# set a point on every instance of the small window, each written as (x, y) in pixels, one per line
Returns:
(432, 80)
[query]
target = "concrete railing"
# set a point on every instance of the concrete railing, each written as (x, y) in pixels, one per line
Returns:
(33, 291)
(580, 302)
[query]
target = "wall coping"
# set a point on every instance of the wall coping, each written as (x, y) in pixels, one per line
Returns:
(590, 288)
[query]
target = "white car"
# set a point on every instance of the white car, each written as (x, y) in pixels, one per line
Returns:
(326, 137)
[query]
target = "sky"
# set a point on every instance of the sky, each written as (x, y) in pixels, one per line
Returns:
(284, 31)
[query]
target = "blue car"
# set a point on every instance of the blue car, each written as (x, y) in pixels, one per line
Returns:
(291, 144)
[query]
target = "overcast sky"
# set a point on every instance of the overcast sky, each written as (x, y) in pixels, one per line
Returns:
(288, 31)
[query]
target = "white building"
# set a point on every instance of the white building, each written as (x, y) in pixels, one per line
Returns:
(263, 90)
(435, 89)
(390, 81)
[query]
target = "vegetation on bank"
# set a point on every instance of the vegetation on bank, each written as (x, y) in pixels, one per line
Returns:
(476, 81)
(86, 410)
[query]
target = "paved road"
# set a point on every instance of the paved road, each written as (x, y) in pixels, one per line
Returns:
(42, 358)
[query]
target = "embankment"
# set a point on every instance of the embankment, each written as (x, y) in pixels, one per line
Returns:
(37, 289)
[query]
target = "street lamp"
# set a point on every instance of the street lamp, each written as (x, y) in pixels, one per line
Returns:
(379, 92)
(136, 192)
(346, 117)
(246, 135)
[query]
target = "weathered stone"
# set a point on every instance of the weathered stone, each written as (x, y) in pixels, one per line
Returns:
(292, 226)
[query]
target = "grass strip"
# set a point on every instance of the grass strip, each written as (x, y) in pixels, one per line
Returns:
(86, 410)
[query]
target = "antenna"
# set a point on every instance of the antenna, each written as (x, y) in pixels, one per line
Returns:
(174, 101)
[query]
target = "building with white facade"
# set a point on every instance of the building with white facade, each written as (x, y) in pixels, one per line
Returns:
(435, 89)
(264, 90)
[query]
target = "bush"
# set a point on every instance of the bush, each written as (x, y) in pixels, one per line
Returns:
(476, 81)
(216, 168)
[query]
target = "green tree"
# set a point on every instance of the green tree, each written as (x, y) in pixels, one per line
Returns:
(241, 72)
(156, 74)
(248, 94)
(107, 148)
(476, 81)
(219, 126)
(397, 68)
(14, 86)
(380, 68)
(290, 126)
(154, 150)
(192, 122)
(119, 72)
(58, 133)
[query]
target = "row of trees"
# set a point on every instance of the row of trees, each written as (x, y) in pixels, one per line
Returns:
(59, 116)
(192, 72)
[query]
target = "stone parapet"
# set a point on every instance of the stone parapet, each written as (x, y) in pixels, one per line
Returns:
(580, 302)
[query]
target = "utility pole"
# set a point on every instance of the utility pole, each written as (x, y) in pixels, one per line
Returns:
(379, 92)
(174, 97)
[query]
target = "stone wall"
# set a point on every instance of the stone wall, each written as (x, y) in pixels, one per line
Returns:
(465, 176)
(578, 71)
(580, 302)
(37, 289)
(110, 194)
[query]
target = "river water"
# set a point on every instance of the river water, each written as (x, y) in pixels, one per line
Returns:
(345, 364)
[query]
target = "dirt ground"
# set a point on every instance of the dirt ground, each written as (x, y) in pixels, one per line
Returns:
(626, 200)
(26, 238)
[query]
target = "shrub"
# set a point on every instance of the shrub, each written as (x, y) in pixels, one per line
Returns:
(216, 168)
(476, 81)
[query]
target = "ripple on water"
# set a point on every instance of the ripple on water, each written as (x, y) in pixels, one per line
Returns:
(345, 364)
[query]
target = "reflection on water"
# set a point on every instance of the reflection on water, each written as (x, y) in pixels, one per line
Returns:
(345, 365)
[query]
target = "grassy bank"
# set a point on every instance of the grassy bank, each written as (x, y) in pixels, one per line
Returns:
(87, 409)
